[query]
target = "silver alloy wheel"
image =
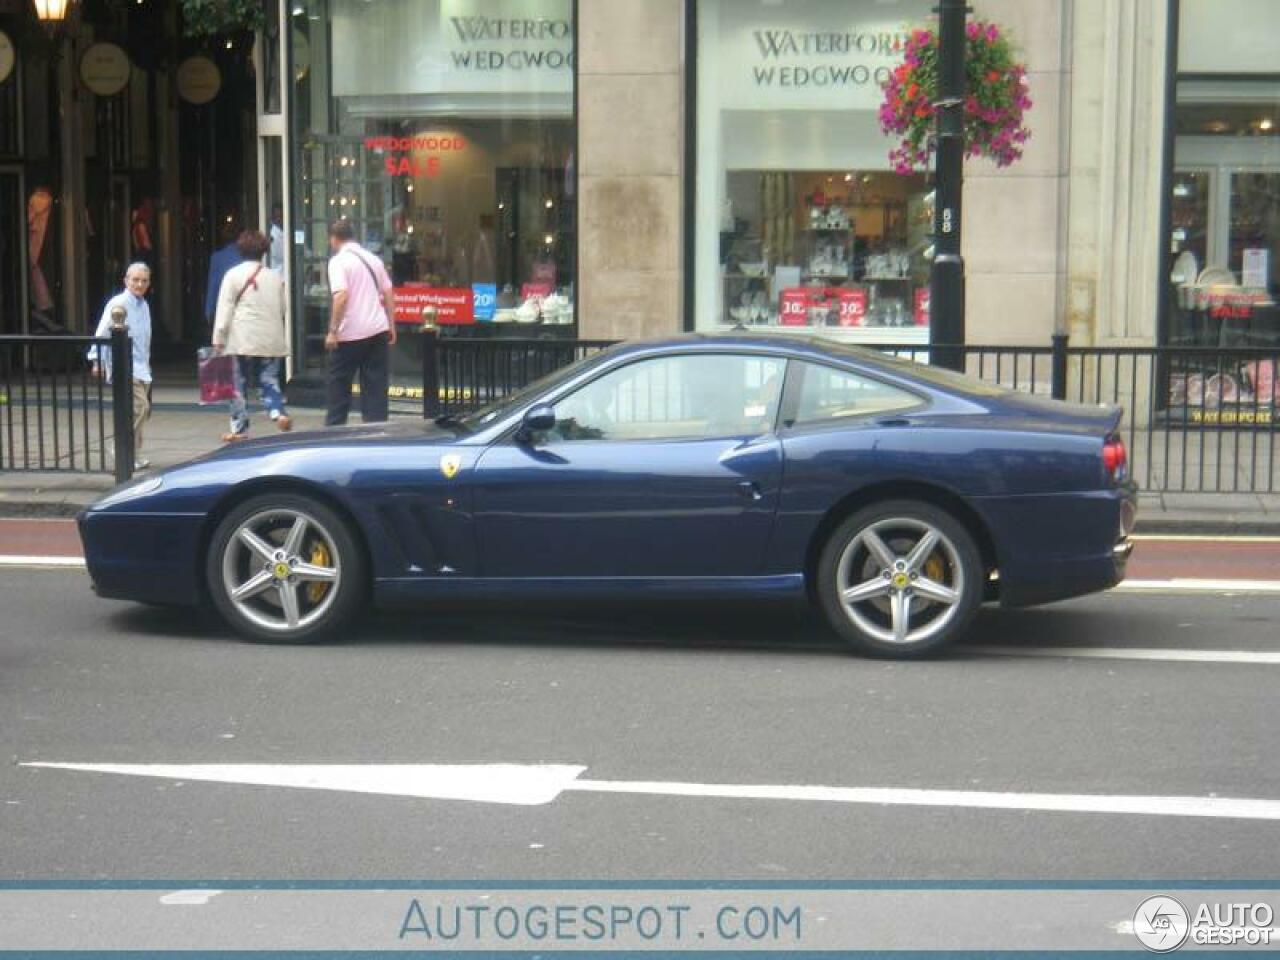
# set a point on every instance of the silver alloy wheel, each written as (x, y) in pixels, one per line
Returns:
(268, 561)
(883, 586)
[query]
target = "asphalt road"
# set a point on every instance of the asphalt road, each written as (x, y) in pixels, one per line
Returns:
(699, 694)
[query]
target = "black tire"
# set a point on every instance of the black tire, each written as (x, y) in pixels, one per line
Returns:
(869, 623)
(320, 608)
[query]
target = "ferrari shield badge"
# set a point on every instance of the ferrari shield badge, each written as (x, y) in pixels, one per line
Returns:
(449, 465)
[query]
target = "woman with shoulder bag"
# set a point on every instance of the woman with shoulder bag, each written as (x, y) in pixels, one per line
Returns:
(249, 326)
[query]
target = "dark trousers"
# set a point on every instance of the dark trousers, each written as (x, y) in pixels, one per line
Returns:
(368, 358)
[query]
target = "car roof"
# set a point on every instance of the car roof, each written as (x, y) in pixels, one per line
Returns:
(790, 343)
(815, 347)
(799, 345)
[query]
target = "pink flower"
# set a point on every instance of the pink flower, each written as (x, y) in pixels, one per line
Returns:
(994, 109)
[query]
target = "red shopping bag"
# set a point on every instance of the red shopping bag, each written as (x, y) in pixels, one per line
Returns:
(216, 373)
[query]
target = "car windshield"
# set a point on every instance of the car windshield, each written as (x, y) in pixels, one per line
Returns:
(493, 412)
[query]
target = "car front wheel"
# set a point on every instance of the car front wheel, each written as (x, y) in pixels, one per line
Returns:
(900, 578)
(285, 568)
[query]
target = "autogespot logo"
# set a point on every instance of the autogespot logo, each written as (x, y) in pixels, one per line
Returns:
(1161, 924)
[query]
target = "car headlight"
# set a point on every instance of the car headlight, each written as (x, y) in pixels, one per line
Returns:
(130, 491)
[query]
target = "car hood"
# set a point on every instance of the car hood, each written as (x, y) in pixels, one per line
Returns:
(392, 432)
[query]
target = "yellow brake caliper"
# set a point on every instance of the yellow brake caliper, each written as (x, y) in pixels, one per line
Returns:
(319, 557)
(935, 569)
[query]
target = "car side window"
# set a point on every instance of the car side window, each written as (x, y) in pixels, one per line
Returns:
(687, 396)
(828, 394)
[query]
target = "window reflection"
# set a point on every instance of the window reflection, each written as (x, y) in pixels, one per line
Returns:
(446, 137)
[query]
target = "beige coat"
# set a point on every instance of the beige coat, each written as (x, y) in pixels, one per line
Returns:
(254, 327)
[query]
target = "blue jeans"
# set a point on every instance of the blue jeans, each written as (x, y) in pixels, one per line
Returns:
(266, 371)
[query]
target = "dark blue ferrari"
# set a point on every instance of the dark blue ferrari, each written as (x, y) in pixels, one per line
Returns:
(897, 497)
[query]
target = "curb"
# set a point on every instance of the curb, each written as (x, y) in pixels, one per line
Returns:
(36, 509)
(1229, 526)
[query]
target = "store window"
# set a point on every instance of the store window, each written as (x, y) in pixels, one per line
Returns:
(1224, 244)
(444, 130)
(1221, 276)
(800, 221)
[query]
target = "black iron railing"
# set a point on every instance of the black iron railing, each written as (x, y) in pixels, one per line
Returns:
(1197, 420)
(56, 415)
(460, 374)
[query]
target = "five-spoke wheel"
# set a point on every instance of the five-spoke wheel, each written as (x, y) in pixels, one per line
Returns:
(284, 567)
(900, 578)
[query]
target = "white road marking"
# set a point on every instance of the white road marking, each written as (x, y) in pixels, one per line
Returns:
(188, 898)
(18, 560)
(1059, 802)
(1192, 585)
(1269, 657)
(532, 784)
(523, 784)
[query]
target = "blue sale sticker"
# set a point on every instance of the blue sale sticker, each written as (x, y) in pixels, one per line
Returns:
(485, 296)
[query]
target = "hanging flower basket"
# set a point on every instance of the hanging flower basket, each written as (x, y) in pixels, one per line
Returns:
(995, 103)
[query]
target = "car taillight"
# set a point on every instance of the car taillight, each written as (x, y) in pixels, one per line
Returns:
(1114, 458)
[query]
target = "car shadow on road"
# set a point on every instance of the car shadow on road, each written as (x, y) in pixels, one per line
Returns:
(1084, 623)
(756, 625)
(783, 627)
(744, 625)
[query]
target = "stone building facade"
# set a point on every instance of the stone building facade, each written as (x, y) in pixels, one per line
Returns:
(694, 164)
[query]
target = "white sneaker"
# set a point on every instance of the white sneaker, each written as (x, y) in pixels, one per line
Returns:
(141, 464)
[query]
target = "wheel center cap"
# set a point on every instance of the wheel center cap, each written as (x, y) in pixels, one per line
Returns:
(281, 571)
(901, 581)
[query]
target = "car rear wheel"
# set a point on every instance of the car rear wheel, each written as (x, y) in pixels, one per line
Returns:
(900, 578)
(285, 568)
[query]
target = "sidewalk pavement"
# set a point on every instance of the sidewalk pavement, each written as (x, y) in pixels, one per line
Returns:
(181, 429)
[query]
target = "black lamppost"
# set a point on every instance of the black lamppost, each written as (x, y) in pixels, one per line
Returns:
(946, 281)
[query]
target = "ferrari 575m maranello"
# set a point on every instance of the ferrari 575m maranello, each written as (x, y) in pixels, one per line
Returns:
(896, 497)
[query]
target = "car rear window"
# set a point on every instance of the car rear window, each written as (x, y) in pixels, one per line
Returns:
(828, 393)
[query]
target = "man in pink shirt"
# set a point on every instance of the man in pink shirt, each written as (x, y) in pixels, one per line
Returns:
(361, 328)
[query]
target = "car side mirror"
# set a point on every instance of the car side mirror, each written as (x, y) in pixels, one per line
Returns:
(537, 419)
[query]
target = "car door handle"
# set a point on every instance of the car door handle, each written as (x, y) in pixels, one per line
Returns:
(750, 490)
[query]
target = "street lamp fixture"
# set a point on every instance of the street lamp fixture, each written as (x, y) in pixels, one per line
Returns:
(51, 12)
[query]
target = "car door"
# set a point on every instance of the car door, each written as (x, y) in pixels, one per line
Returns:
(841, 431)
(666, 466)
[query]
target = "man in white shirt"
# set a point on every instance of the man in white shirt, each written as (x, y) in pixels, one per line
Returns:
(137, 281)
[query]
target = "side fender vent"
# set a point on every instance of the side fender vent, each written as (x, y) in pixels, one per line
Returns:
(407, 531)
